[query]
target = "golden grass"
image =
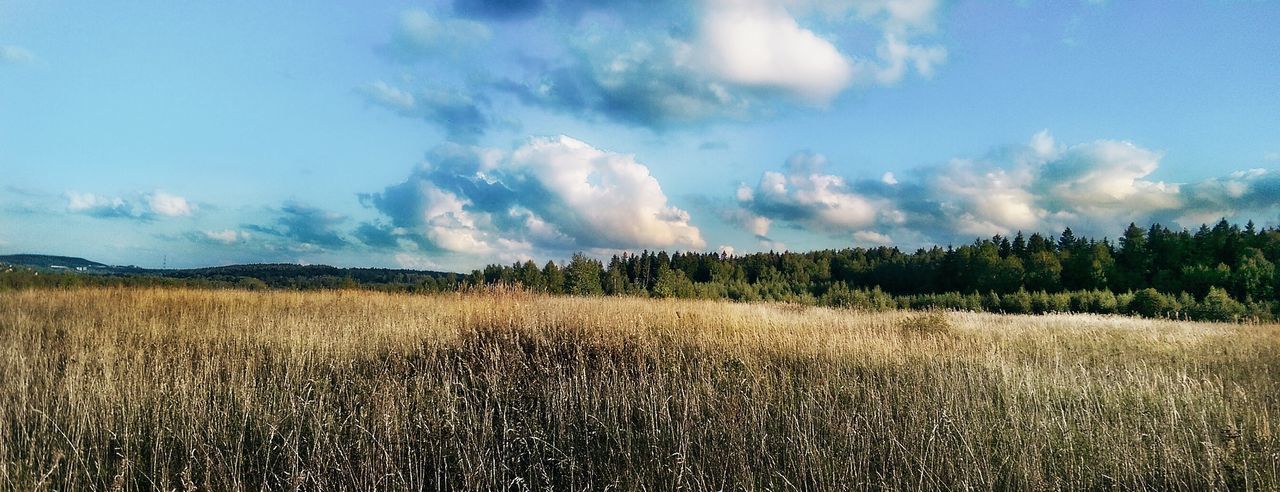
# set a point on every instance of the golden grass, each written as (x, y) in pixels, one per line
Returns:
(179, 389)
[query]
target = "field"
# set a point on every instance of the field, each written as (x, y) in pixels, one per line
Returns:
(133, 389)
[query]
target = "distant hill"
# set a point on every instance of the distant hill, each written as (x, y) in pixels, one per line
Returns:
(49, 261)
(276, 275)
(303, 276)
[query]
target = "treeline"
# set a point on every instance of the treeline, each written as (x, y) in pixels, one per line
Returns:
(248, 277)
(1223, 272)
(311, 277)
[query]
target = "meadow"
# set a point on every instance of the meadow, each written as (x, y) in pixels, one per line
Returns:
(138, 389)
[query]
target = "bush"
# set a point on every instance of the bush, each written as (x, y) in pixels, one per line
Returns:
(1094, 301)
(1060, 302)
(1123, 302)
(841, 296)
(1260, 311)
(1217, 305)
(1040, 303)
(1150, 303)
(741, 291)
(1016, 303)
(991, 302)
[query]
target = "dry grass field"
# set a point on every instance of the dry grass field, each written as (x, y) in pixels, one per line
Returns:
(124, 389)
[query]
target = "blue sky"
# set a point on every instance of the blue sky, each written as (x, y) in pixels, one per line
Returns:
(450, 134)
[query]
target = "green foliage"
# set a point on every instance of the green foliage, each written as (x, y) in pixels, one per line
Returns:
(673, 283)
(1016, 303)
(553, 276)
(1151, 303)
(1254, 278)
(249, 283)
(582, 276)
(1218, 305)
(991, 302)
(1157, 272)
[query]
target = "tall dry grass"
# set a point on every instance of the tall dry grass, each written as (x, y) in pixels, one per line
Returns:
(182, 389)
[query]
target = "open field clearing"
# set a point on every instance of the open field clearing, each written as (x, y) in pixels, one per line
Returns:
(171, 389)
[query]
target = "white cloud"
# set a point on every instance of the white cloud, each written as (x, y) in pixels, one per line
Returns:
(872, 238)
(806, 195)
(725, 249)
(1043, 145)
(985, 199)
(757, 43)
(888, 178)
(226, 236)
(168, 205)
(668, 64)
(550, 192)
(15, 54)
(138, 206)
(900, 23)
(758, 225)
(415, 262)
(1093, 187)
(448, 225)
(1209, 200)
(607, 195)
(439, 217)
(896, 56)
(91, 203)
(904, 14)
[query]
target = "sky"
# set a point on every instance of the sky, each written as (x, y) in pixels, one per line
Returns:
(450, 134)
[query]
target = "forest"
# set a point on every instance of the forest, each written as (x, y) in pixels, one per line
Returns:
(1224, 272)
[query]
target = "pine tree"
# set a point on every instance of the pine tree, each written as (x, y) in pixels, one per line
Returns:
(583, 276)
(553, 276)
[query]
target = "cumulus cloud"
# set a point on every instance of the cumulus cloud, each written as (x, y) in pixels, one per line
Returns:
(757, 43)
(141, 207)
(901, 25)
(168, 205)
(308, 228)
(803, 195)
(553, 192)
(15, 54)
(872, 238)
(723, 60)
(604, 198)
(463, 117)
(657, 64)
(1236, 193)
(1093, 187)
(644, 83)
(98, 206)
